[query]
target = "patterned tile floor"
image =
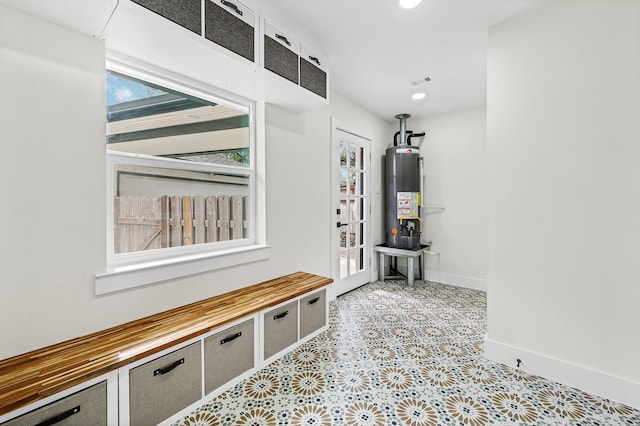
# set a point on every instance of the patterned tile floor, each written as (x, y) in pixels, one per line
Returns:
(395, 355)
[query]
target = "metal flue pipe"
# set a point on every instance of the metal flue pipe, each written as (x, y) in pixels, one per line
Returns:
(403, 127)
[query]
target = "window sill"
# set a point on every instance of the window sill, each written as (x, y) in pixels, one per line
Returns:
(143, 274)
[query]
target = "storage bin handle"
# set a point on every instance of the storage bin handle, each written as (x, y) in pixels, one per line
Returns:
(60, 417)
(231, 338)
(283, 38)
(312, 301)
(169, 368)
(280, 316)
(231, 6)
(314, 59)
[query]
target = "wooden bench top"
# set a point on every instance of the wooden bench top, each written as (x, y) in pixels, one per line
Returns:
(38, 374)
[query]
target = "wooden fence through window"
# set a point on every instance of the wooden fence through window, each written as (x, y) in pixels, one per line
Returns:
(146, 223)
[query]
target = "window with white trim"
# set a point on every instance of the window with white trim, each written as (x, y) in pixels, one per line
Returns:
(181, 170)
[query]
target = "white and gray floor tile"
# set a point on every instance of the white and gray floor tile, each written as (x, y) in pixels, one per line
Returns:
(395, 355)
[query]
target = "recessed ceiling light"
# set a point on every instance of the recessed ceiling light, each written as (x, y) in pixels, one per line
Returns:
(409, 4)
(418, 96)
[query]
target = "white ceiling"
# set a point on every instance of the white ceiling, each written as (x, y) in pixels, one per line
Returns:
(376, 49)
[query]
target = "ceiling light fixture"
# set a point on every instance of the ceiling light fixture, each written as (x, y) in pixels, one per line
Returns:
(418, 96)
(409, 4)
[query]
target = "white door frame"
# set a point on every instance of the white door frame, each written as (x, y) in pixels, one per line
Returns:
(336, 128)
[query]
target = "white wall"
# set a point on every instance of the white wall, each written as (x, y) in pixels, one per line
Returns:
(455, 178)
(52, 165)
(298, 170)
(563, 161)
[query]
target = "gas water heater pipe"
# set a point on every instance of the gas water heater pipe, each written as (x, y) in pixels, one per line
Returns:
(395, 138)
(413, 135)
(421, 203)
(403, 126)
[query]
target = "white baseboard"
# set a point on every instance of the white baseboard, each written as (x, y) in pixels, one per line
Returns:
(457, 280)
(592, 381)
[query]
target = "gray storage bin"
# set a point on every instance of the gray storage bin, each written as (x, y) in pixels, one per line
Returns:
(279, 59)
(164, 386)
(86, 407)
(313, 78)
(312, 313)
(280, 328)
(228, 354)
(225, 28)
(186, 13)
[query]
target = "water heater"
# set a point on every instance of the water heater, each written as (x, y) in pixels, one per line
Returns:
(403, 178)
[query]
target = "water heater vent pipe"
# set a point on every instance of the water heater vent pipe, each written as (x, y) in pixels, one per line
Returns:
(403, 127)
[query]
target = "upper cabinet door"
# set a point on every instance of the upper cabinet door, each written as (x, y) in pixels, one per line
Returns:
(280, 53)
(313, 72)
(230, 24)
(186, 13)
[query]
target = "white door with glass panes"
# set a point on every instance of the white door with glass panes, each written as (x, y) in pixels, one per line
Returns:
(351, 240)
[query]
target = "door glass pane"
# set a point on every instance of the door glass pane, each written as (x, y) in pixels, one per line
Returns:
(344, 264)
(353, 183)
(359, 156)
(344, 184)
(343, 154)
(353, 153)
(354, 186)
(353, 212)
(354, 261)
(344, 211)
(353, 234)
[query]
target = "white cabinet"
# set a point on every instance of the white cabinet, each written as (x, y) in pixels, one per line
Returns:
(280, 53)
(294, 77)
(137, 34)
(228, 24)
(291, 323)
(222, 43)
(166, 386)
(173, 381)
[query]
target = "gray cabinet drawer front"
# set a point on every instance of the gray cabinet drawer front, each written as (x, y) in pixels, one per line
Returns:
(228, 31)
(228, 354)
(186, 13)
(280, 328)
(164, 386)
(86, 407)
(313, 78)
(280, 60)
(312, 313)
